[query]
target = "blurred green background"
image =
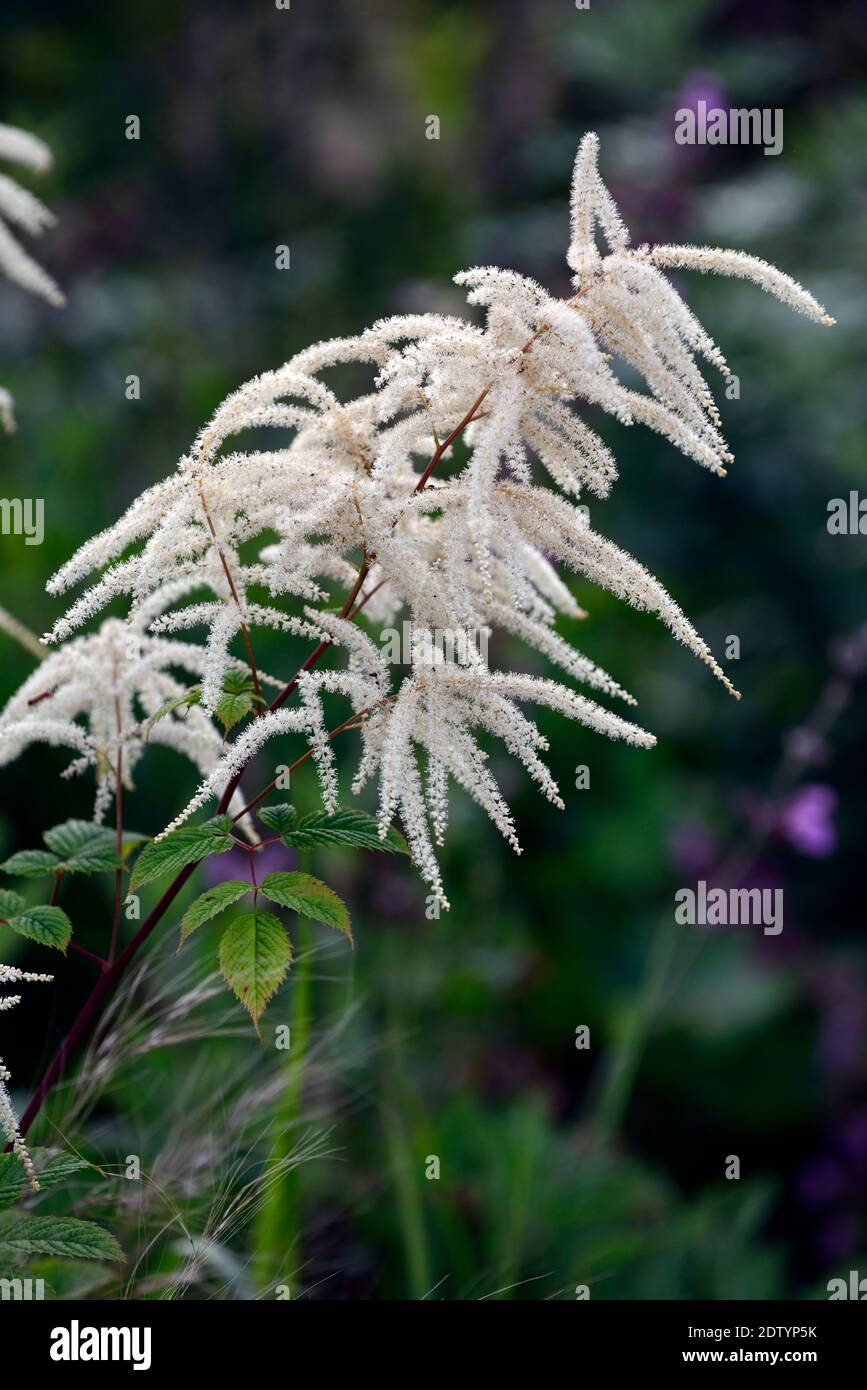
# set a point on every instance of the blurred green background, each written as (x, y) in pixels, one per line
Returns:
(559, 1166)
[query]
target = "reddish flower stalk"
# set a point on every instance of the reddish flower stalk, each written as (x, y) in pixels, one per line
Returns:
(114, 969)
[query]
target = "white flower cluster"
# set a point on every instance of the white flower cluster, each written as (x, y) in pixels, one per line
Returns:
(359, 497)
(10, 974)
(115, 680)
(21, 209)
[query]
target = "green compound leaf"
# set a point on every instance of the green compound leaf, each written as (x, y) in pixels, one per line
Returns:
(343, 828)
(232, 707)
(179, 703)
(59, 1235)
(236, 682)
(10, 903)
(31, 863)
(308, 896)
(76, 847)
(186, 701)
(50, 1167)
(50, 926)
(82, 847)
(188, 845)
(281, 818)
(211, 904)
(255, 956)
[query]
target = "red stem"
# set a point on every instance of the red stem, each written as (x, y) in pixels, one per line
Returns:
(113, 971)
(89, 955)
(103, 987)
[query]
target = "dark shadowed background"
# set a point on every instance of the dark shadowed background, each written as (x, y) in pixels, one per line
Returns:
(559, 1166)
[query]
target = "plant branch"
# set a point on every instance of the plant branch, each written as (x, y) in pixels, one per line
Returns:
(351, 723)
(449, 439)
(113, 972)
(89, 955)
(103, 987)
(251, 660)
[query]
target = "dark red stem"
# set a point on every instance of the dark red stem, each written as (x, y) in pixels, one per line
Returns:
(113, 971)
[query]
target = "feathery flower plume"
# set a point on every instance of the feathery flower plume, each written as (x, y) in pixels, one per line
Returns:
(10, 974)
(115, 680)
(448, 492)
(20, 209)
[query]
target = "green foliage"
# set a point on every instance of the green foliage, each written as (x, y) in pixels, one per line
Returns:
(10, 903)
(186, 701)
(51, 1168)
(237, 699)
(354, 828)
(49, 926)
(30, 863)
(211, 904)
(35, 1244)
(308, 896)
(490, 992)
(75, 847)
(283, 818)
(57, 1235)
(188, 845)
(255, 955)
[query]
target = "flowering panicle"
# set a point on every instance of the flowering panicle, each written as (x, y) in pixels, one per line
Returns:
(99, 695)
(448, 493)
(10, 974)
(20, 209)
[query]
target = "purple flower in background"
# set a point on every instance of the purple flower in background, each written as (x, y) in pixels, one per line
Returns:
(235, 864)
(806, 820)
(693, 848)
(700, 85)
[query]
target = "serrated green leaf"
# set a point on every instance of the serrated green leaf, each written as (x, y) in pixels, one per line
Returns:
(59, 1235)
(280, 818)
(50, 1167)
(235, 682)
(10, 903)
(211, 904)
(50, 926)
(82, 847)
(255, 956)
(188, 845)
(11, 1180)
(31, 863)
(186, 701)
(232, 707)
(310, 897)
(342, 828)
